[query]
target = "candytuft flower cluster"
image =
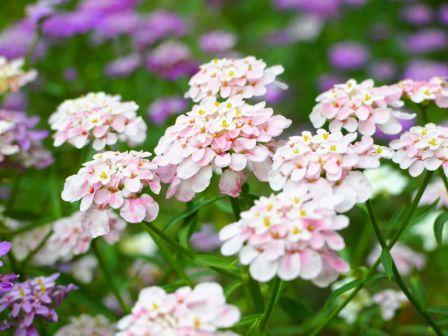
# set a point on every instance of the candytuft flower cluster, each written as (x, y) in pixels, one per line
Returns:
(114, 180)
(12, 76)
(98, 118)
(436, 90)
(198, 311)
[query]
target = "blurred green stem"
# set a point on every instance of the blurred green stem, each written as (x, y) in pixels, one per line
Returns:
(32, 253)
(109, 277)
(166, 238)
(397, 275)
(424, 115)
(444, 178)
(372, 269)
(275, 289)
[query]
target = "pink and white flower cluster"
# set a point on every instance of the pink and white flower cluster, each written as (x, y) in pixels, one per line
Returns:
(331, 161)
(436, 90)
(246, 77)
(389, 301)
(200, 311)
(97, 117)
(422, 147)
(361, 107)
(12, 76)
(70, 238)
(87, 325)
(433, 192)
(114, 180)
(290, 235)
(225, 137)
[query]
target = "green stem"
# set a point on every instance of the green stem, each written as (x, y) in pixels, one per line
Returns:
(166, 238)
(444, 178)
(373, 268)
(397, 275)
(109, 277)
(424, 115)
(273, 298)
(31, 255)
(236, 208)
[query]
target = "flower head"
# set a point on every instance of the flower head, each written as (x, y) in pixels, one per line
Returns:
(290, 235)
(422, 147)
(361, 107)
(436, 90)
(433, 192)
(6, 280)
(87, 325)
(12, 76)
(114, 180)
(246, 77)
(327, 159)
(217, 136)
(389, 301)
(198, 311)
(97, 117)
(33, 298)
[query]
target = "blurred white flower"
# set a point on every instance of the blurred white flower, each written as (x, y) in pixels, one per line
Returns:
(425, 230)
(351, 311)
(389, 301)
(386, 180)
(83, 269)
(140, 243)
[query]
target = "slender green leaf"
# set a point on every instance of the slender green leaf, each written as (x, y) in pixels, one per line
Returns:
(245, 320)
(439, 223)
(438, 310)
(418, 291)
(206, 260)
(296, 309)
(341, 290)
(231, 288)
(386, 260)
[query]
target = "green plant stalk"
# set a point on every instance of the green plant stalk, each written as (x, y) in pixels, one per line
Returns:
(444, 178)
(273, 298)
(109, 277)
(397, 275)
(373, 268)
(166, 238)
(36, 250)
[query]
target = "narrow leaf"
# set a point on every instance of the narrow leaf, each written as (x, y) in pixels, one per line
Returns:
(438, 226)
(386, 260)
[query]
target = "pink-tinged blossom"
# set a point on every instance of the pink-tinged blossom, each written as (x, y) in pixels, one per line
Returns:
(389, 301)
(361, 107)
(290, 235)
(163, 108)
(223, 137)
(6, 280)
(34, 298)
(70, 238)
(20, 144)
(217, 41)
(246, 77)
(114, 180)
(87, 325)
(97, 117)
(332, 161)
(171, 60)
(422, 147)
(404, 258)
(206, 239)
(422, 92)
(12, 76)
(198, 311)
(433, 192)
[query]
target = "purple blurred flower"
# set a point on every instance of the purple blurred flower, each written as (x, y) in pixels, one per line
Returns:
(426, 40)
(443, 14)
(33, 298)
(63, 25)
(123, 66)
(425, 69)
(217, 41)
(5, 246)
(323, 8)
(326, 81)
(383, 70)
(162, 108)
(108, 6)
(348, 55)
(206, 239)
(417, 14)
(406, 124)
(274, 94)
(6, 280)
(16, 40)
(115, 24)
(15, 101)
(171, 60)
(40, 10)
(156, 26)
(71, 74)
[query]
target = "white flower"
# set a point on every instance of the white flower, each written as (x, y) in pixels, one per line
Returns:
(385, 180)
(389, 301)
(425, 230)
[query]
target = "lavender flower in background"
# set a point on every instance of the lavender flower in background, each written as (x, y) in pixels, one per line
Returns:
(15, 101)
(71, 74)
(41, 10)
(443, 14)
(274, 94)
(327, 81)
(217, 41)
(115, 24)
(417, 14)
(63, 25)
(105, 7)
(207, 239)
(163, 108)
(123, 66)
(6, 280)
(383, 70)
(405, 124)
(16, 40)
(425, 41)
(158, 25)
(31, 299)
(425, 69)
(171, 60)
(348, 55)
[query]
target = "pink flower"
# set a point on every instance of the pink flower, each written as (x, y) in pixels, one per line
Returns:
(114, 180)
(389, 301)
(422, 147)
(12, 76)
(435, 191)
(223, 137)
(246, 77)
(198, 311)
(290, 235)
(404, 258)
(436, 90)
(332, 162)
(361, 107)
(97, 117)
(87, 325)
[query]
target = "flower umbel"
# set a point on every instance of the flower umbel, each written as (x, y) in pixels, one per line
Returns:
(12, 76)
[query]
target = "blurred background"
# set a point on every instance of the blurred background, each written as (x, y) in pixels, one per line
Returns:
(147, 50)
